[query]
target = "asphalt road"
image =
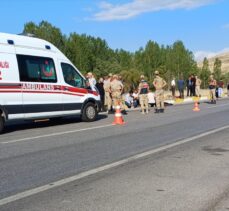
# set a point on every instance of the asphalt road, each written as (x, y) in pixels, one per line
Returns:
(180, 178)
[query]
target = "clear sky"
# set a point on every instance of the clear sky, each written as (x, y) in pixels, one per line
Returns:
(203, 25)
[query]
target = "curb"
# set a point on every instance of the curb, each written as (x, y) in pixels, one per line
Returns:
(185, 101)
(191, 100)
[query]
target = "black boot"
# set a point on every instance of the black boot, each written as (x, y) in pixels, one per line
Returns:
(124, 112)
(157, 111)
(111, 112)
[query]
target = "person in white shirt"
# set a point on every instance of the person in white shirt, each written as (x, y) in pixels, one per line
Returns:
(173, 87)
(136, 98)
(129, 100)
(151, 98)
(91, 80)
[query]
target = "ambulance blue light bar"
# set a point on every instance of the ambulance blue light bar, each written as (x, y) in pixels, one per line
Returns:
(47, 47)
(10, 42)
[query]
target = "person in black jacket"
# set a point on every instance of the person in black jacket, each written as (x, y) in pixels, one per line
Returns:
(228, 89)
(193, 80)
(99, 86)
(189, 86)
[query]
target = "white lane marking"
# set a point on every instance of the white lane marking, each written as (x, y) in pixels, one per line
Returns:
(102, 168)
(55, 134)
(79, 130)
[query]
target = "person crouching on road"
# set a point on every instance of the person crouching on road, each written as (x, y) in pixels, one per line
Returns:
(129, 100)
(151, 99)
(143, 90)
(136, 98)
(159, 84)
(212, 87)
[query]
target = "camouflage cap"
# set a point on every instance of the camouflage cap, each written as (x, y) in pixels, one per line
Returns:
(156, 72)
(142, 76)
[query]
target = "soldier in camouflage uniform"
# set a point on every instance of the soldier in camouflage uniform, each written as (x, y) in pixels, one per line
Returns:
(159, 83)
(143, 90)
(212, 87)
(122, 103)
(116, 90)
(106, 86)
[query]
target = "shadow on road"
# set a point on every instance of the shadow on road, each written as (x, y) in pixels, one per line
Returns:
(30, 124)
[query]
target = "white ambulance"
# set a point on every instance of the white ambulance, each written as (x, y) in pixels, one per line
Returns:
(38, 81)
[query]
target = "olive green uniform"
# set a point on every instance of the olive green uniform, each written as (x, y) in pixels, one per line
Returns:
(122, 103)
(108, 100)
(212, 87)
(159, 83)
(143, 90)
(116, 91)
(198, 83)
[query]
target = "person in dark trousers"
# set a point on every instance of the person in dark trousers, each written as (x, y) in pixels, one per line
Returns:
(173, 87)
(99, 86)
(212, 89)
(189, 86)
(228, 89)
(129, 99)
(180, 85)
(193, 87)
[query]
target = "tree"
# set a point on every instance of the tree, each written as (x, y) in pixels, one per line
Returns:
(205, 73)
(93, 54)
(183, 62)
(217, 69)
(151, 58)
(131, 79)
(225, 78)
(46, 31)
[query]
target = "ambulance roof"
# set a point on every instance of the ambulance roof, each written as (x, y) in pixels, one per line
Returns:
(29, 42)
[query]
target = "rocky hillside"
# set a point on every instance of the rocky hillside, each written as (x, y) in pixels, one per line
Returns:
(224, 57)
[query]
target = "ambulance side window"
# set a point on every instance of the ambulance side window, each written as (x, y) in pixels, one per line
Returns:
(36, 69)
(71, 76)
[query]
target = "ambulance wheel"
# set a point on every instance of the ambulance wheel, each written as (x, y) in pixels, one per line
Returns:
(89, 113)
(1, 124)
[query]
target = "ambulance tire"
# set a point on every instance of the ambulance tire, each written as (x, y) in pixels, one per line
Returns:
(1, 124)
(89, 113)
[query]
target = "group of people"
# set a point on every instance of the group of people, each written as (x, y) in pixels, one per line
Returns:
(111, 92)
(112, 95)
(192, 84)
